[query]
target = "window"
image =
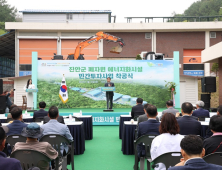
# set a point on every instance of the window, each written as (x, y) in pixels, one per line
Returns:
(25, 67)
(69, 16)
(213, 34)
(148, 35)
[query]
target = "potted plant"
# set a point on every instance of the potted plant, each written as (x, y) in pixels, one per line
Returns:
(171, 88)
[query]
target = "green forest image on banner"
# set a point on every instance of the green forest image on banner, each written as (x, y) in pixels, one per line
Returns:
(84, 79)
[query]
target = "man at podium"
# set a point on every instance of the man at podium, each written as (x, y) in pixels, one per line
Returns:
(109, 94)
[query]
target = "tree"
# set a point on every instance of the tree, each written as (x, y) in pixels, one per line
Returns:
(138, 57)
(215, 68)
(7, 14)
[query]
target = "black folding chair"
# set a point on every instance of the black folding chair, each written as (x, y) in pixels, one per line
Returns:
(57, 141)
(31, 158)
(146, 140)
(13, 139)
(39, 119)
(168, 160)
(214, 158)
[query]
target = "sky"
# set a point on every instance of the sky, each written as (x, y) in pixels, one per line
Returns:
(120, 8)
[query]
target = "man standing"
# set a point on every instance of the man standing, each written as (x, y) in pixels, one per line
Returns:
(109, 94)
(200, 112)
(41, 112)
(8, 100)
(7, 163)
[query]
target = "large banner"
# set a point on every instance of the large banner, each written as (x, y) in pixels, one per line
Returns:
(84, 79)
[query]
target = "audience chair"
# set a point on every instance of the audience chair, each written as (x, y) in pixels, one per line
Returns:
(39, 119)
(56, 140)
(202, 119)
(169, 159)
(13, 139)
(31, 158)
(24, 103)
(146, 140)
(214, 158)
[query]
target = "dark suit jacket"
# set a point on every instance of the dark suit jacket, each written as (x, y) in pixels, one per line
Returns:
(60, 119)
(145, 128)
(139, 109)
(143, 118)
(40, 113)
(15, 128)
(210, 144)
(9, 163)
(196, 164)
(112, 85)
(201, 113)
(189, 126)
(208, 133)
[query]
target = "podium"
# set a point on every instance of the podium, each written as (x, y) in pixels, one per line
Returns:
(30, 98)
(108, 89)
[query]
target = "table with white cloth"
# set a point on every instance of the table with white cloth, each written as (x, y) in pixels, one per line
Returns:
(77, 132)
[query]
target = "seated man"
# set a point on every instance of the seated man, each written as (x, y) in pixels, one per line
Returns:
(7, 163)
(209, 132)
(188, 125)
(213, 144)
(60, 119)
(170, 108)
(200, 112)
(41, 112)
(16, 127)
(138, 109)
(10, 109)
(32, 132)
(143, 118)
(54, 127)
(192, 151)
(149, 127)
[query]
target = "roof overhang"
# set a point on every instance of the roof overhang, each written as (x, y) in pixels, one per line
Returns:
(116, 27)
(7, 45)
(21, 77)
(211, 54)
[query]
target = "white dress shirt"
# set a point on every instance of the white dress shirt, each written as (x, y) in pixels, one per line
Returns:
(165, 143)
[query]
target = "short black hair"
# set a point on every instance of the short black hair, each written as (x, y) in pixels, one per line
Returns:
(108, 78)
(187, 107)
(139, 100)
(53, 112)
(216, 123)
(42, 104)
(219, 109)
(145, 106)
(169, 103)
(192, 145)
(16, 112)
(151, 110)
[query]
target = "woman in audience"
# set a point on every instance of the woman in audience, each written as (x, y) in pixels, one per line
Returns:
(214, 143)
(169, 138)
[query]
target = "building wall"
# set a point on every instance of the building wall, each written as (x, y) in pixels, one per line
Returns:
(220, 80)
(188, 89)
(135, 44)
(62, 18)
(216, 40)
(168, 42)
(19, 84)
